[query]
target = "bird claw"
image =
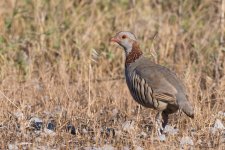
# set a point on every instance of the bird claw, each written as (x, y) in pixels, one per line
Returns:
(159, 128)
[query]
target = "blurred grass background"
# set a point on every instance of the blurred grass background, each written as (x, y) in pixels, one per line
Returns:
(56, 55)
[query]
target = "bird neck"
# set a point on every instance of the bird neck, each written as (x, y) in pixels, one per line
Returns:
(134, 54)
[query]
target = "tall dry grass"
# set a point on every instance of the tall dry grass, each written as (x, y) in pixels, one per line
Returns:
(57, 63)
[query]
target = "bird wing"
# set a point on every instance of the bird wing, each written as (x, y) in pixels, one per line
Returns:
(164, 83)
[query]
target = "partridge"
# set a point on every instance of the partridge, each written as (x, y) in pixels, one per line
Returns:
(150, 84)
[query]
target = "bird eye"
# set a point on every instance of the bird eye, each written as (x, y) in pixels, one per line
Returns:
(124, 36)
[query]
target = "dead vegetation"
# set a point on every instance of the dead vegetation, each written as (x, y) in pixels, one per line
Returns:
(57, 64)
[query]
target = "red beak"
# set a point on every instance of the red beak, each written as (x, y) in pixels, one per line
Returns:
(114, 40)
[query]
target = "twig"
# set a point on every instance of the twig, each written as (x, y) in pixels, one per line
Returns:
(218, 62)
(8, 99)
(109, 79)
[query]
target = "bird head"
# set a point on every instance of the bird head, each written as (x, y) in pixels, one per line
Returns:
(125, 39)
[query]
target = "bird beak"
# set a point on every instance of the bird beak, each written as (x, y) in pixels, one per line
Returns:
(114, 39)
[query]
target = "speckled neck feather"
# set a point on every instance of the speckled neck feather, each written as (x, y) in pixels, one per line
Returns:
(134, 54)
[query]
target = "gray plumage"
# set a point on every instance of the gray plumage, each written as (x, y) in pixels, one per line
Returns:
(155, 86)
(152, 85)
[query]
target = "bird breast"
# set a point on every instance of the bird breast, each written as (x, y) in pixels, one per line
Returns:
(140, 90)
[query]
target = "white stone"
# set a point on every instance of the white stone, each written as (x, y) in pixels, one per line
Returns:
(35, 119)
(128, 125)
(170, 130)
(114, 112)
(186, 141)
(49, 132)
(12, 147)
(221, 113)
(144, 134)
(126, 148)
(218, 124)
(108, 147)
(84, 131)
(162, 137)
(138, 148)
(19, 115)
(92, 148)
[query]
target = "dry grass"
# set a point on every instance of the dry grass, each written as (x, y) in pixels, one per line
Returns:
(49, 69)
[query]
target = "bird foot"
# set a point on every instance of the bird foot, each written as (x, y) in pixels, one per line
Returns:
(159, 123)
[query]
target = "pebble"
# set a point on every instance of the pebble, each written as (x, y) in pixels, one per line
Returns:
(84, 131)
(138, 148)
(170, 130)
(51, 126)
(12, 147)
(107, 147)
(109, 131)
(49, 132)
(162, 137)
(36, 123)
(70, 128)
(114, 112)
(186, 141)
(19, 115)
(221, 113)
(126, 148)
(218, 124)
(91, 148)
(143, 134)
(128, 125)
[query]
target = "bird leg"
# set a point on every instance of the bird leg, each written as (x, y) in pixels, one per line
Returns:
(165, 118)
(159, 121)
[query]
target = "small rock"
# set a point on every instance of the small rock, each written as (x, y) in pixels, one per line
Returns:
(219, 125)
(162, 137)
(24, 145)
(36, 123)
(126, 148)
(110, 131)
(186, 141)
(12, 147)
(91, 148)
(51, 126)
(213, 130)
(49, 132)
(118, 133)
(114, 112)
(47, 113)
(101, 111)
(70, 128)
(221, 113)
(138, 148)
(128, 125)
(84, 131)
(170, 130)
(143, 134)
(19, 115)
(43, 147)
(107, 147)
